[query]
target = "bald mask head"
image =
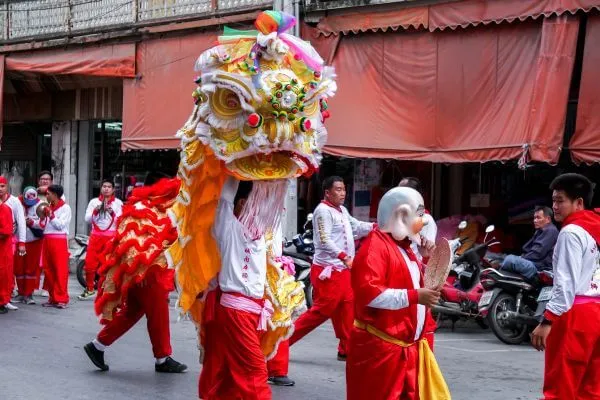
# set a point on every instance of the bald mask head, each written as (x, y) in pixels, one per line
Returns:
(400, 213)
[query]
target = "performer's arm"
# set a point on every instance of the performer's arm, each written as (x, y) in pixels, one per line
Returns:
(394, 299)
(360, 229)
(90, 212)
(568, 263)
(118, 209)
(63, 219)
(21, 224)
(35, 219)
(322, 237)
(225, 214)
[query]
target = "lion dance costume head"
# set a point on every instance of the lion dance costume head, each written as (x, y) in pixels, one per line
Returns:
(260, 107)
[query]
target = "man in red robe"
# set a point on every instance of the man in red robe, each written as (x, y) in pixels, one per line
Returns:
(388, 355)
(570, 330)
(6, 261)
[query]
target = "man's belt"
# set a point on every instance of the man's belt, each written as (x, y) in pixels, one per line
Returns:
(432, 385)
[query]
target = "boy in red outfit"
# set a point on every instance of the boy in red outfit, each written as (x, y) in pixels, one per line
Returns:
(570, 330)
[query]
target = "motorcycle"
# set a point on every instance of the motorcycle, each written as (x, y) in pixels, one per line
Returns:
(462, 291)
(82, 241)
(302, 257)
(512, 305)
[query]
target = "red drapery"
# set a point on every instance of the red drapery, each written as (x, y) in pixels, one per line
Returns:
(158, 104)
(585, 143)
(117, 60)
(456, 96)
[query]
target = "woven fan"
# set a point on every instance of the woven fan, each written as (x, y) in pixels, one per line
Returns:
(438, 267)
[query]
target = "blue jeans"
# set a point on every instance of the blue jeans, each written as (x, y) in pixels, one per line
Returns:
(519, 265)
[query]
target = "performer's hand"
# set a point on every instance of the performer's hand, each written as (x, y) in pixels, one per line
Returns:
(47, 211)
(22, 250)
(539, 337)
(428, 245)
(348, 262)
(428, 297)
(29, 221)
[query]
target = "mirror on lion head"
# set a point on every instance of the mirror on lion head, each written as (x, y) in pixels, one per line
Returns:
(262, 101)
(400, 213)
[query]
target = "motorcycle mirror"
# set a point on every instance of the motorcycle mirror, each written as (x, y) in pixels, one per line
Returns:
(462, 225)
(309, 217)
(490, 229)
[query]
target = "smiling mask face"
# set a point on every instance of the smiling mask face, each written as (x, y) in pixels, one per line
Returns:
(401, 212)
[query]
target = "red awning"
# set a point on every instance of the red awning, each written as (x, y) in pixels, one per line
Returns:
(457, 96)
(158, 104)
(385, 18)
(585, 143)
(448, 15)
(117, 60)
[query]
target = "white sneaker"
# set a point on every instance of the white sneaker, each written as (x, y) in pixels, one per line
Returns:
(10, 306)
(41, 293)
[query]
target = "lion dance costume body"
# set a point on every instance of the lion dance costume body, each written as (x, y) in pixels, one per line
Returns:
(259, 114)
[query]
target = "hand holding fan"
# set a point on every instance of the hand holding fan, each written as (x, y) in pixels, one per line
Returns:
(438, 267)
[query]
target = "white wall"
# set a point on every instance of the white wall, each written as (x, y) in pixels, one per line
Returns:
(64, 163)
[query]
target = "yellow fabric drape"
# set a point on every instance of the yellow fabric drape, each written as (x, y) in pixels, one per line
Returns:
(432, 385)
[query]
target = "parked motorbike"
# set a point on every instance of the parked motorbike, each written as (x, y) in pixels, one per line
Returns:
(82, 241)
(462, 291)
(513, 306)
(303, 257)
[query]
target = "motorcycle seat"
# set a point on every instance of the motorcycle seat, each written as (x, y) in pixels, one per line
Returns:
(510, 275)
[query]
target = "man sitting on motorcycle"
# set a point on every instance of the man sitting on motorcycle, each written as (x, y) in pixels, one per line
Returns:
(537, 252)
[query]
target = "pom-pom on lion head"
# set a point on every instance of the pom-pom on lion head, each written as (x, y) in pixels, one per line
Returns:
(260, 101)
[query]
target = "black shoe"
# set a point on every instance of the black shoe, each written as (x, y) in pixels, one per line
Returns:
(170, 366)
(341, 357)
(3, 310)
(96, 356)
(280, 381)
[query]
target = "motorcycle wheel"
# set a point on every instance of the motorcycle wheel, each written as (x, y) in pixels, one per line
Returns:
(508, 332)
(81, 273)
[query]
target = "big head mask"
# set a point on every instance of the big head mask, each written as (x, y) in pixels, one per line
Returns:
(400, 213)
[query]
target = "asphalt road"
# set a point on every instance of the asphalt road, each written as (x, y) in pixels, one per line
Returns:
(42, 358)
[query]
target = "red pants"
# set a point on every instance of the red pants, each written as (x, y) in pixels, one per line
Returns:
(150, 299)
(573, 355)
(379, 370)
(93, 258)
(278, 365)
(56, 267)
(234, 365)
(6, 270)
(27, 268)
(333, 298)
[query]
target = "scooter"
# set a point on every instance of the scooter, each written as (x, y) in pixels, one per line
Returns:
(82, 241)
(303, 257)
(512, 305)
(461, 293)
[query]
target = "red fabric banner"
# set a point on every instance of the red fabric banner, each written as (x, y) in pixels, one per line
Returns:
(454, 96)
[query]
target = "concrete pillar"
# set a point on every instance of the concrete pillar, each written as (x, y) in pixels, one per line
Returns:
(64, 163)
(85, 147)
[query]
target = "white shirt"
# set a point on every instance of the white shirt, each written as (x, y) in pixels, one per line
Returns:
(334, 233)
(397, 299)
(576, 265)
(31, 213)
(243, 260)
(429, 232)
(103, 220)
(60, 223)
(19, 225)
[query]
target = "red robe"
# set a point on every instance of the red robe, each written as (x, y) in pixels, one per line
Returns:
(377, 369)
(6, 250)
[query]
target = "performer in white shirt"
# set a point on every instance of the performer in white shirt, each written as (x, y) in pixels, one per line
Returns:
(19, 227)
(102, 212)
(234, 365)
(27, 268)
(55, 252)
(334, 234)
(570, 330)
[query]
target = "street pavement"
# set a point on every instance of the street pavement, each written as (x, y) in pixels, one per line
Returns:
(43, 359)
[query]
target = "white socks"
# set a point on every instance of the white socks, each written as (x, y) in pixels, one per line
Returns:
(161, 360)
(99, 346)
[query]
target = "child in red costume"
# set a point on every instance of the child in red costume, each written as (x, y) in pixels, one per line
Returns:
(570, 330)
(102, 212)
(6, 262)
(389, 356)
